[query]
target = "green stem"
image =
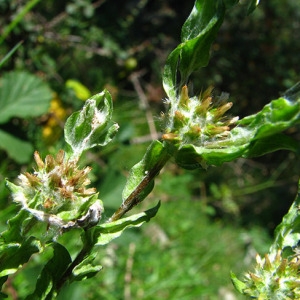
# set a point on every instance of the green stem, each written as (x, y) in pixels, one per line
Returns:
(88, 244)
(134, 198)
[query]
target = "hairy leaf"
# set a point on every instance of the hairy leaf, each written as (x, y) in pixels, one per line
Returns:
(91, 126)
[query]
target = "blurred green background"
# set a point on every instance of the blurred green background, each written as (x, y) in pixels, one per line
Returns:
(210, 222)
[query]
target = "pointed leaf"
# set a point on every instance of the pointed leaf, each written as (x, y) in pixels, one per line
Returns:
(153, 160)
(287, 233)
(86, 269)
(112, 230)
(239, 285)
(90, 127)
(23, 95)
(198, 33)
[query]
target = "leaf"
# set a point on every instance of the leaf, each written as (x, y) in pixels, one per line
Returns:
(52, 273)
(112, 230)
(86, 269)
(239, 285)
(151, 162)
(14, 233)
(255, 135)
(12, 146)
(23, 95)
(15, 248)
(251, 6)
(198, 33)
(90, 126)
(14, 255)
(287, 233)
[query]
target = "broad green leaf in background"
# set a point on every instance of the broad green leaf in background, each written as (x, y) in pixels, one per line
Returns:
(12, 146)
(23, 95)
(91, 126)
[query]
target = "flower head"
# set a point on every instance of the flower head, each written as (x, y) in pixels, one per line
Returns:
(198, 120)
(57, 191)
(274, 277)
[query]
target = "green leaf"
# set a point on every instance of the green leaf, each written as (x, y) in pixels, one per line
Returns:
(251, 6)
(239, 285)
(287, 233)
(198, 33)
(150, 163)
(266, 145)
(15, 248)
(14, 255)
(12, 146)
(255, 135)
(52, 273)
(14, 233)
(109, 231)
(23, 95)
(86, 269)
(90, 127)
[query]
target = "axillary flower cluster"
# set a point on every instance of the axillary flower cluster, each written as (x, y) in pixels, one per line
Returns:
(56, 192)
(198, 120)
(274, 277)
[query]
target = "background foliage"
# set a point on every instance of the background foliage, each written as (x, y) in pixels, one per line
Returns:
(123, 47)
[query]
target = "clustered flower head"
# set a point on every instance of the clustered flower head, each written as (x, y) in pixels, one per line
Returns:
(56, 184)
(275, 278)
(198, 120)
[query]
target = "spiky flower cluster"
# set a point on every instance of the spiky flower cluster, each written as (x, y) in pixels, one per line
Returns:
(56, 193)
(198, 120)
(275, 278)
(58, 183)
